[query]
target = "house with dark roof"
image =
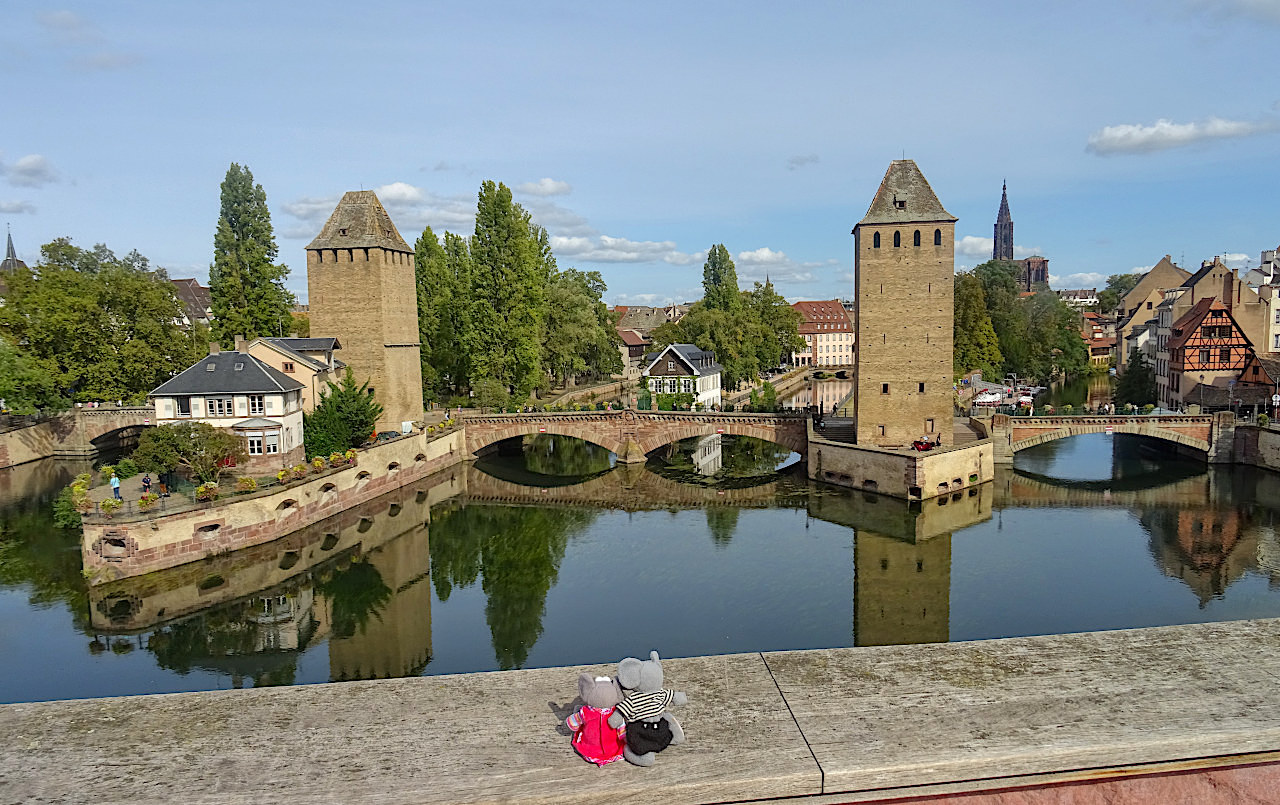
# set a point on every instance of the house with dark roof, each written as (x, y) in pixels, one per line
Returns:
(684, 369)
(197, 304)
(236, 391)
(310, 361)
(1207, 345)
(634, 346)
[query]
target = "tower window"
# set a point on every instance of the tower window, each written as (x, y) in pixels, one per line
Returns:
(922, 392)
(937, 237)
(897, 239)
(917, 243)
(884, 388)
(875, 241)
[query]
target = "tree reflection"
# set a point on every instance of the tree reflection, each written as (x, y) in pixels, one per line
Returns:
(36, 554)
(550, 454)
(742, 458)
(722, 522)
(516, 553)
(356, 593)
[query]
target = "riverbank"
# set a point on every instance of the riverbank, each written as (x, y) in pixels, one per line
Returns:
(1172, 714)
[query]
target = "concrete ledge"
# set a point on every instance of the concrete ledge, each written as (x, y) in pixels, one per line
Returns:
(841, 725)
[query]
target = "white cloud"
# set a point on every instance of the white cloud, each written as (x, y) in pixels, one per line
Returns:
(545, 187)
(16, 207)
(399, 193)
(606, 249)
(33, 170)
(981, 248)
(411, 208)
(1085, 280)
(755, 265)
(1237, 260)
(1129, 138)
(68, 26)
(800, 160)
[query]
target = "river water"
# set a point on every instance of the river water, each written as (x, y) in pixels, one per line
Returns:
(551, 555)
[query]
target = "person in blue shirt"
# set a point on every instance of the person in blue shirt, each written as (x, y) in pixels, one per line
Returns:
(115, 486)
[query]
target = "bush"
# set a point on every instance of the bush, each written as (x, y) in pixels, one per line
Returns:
(1068, 408)
(299, 470)
(65, 512)
(336, 458)
(148, 500)
(317, 464)
(1148, 408)
(283, 475)
(351, 455)
(106, 471)
(208, 491)
(1264, 420)
(126, 468)
(246, 484)
(109, 506)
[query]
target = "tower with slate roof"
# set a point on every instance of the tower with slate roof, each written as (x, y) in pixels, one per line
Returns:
(1002, 249)
(361, 289)
(904, 262)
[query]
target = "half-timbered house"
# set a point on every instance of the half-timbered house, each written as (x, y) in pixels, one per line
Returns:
(1206, 347)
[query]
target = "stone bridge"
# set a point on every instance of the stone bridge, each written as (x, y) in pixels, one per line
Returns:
(629, 487)
(1210, 435)
(1027, 490)
(76, 434)
(631, 435)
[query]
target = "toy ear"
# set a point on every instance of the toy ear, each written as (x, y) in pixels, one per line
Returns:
(653, 655)
(629, 672)
(585, 681)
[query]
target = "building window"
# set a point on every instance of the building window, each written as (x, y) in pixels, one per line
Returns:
(937, 237)
(875, 241)
(671, 366)
(884, 388)
(1204, 356)
(272, 443)
(218, 406)
(1148, 306)
(880, 428)
(255, 444)
(897, 239)
(1224, 355)
(922, 388)
(256, 406)
(688, 385)
(928, 426)
(917, 237)
(184, 406)
(287, 367)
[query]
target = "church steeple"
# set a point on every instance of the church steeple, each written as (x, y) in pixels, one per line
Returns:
(1002, 249)
(11, 261)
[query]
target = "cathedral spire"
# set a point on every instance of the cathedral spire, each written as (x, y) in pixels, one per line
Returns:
(1002, 248)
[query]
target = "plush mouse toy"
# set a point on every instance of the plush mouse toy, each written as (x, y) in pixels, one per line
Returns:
(593, 737)
(650, 728)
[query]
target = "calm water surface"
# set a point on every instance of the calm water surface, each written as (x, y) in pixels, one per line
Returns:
(551, 555)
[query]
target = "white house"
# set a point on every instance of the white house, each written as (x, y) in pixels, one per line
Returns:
(684, 369)
(237, 391)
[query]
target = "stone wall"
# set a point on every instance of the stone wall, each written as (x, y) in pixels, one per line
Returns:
(121, 548)
(901, 474)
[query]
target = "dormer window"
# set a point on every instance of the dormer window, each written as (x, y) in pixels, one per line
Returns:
(239, 367)
(899, 203)
(209, 367)
(343, 232)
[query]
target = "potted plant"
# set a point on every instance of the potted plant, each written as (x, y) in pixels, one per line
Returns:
(109, 506)
(283, 475)
(336, 458)
(299, 470)
(351, 455)
(317, 464)
(147, 501)
(246, 484)
(207, 492)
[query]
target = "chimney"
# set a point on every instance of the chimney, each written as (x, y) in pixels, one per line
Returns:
(241, 344)
(213, 348)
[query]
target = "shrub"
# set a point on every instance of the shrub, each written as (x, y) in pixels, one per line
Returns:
(283, 475)
(1148, 408)
(66, 514)
(148, 500)
(336, 458)
(1264, 420)
(208, 491)
(351, 455)
(109, 506)
(728, 407)
(431, 428)
(317, 464)
(299, 470)
(1068, 408)
(246, 484)
(107, 470)
(126, 468)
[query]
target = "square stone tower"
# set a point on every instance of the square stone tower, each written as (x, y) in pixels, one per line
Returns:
(360, 280)
(904, 263)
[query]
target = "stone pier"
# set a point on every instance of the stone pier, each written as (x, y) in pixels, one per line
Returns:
(1182, 714)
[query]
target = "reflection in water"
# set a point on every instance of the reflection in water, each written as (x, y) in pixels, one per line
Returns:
(549, 454)
(721, 460)
(1090, 391)
(515, 575)
(827, 393)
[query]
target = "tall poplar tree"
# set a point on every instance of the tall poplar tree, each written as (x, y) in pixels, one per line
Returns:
(247, 287)
(720, 281)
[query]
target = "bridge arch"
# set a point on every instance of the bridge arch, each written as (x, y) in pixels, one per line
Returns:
(1132, 429)
(1200, 433)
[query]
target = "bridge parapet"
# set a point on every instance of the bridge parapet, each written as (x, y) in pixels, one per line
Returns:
(1209, 434)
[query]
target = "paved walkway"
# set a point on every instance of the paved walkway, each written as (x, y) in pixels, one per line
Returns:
(840, 725)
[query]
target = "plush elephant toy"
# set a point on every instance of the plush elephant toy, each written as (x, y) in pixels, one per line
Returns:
(650, 727)
(593, 737)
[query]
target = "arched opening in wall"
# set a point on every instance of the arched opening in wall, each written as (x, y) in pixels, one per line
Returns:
(393, 468)
(957, 495)
(395, 509)
(208, 530)
(420, 457)
(957, 483)
(917, 238)
(421, 497)
(870, 485)
(913, 491)
(329, 541)
(944, 487)
(365, 524)
(328, 491)
(286, 508)
(120, 608)
(875, 240)
(113, 548)
(208, 583)
(937, 237)
(897, 239)
(362, 478)
(545, 460)
(942, 500)
(289, 559)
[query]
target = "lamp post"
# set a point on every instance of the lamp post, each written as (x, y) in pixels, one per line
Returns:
(1202, 394)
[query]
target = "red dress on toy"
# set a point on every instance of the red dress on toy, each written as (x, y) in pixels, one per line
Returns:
(593, 738)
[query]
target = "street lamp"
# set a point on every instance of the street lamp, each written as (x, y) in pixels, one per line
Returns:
(1202, 394)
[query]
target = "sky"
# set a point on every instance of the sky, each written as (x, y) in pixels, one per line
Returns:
(639, 135)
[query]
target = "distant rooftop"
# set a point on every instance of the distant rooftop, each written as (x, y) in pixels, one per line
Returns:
(359, 221)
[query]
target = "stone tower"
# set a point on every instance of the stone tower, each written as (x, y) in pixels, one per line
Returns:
(904, 261)
(1003, 248)
(360, 280)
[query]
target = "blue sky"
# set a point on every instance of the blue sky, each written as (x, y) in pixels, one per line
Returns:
(641, 134)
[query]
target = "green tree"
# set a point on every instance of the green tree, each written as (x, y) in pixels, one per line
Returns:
(776, 322)
(512, 264)
(203, 451)
(344, 417)
(91, 326)
(429, 277)
(580, 337)
(1138, 383)
(247, 287)
(976, 345)
(25, 386)
(1117, 286)
(720, 281)
(1055, 346)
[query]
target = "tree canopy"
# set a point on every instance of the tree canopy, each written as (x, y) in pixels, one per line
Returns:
(1117, 286)
(87, 325)
(246, 286)
(976, 345)
(204, 451)
(1137, 386)
(344, 417)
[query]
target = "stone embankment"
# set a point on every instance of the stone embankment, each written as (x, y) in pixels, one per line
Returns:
(1182, 714)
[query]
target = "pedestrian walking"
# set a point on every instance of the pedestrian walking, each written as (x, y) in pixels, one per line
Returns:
(146, 484)
(115, 486)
